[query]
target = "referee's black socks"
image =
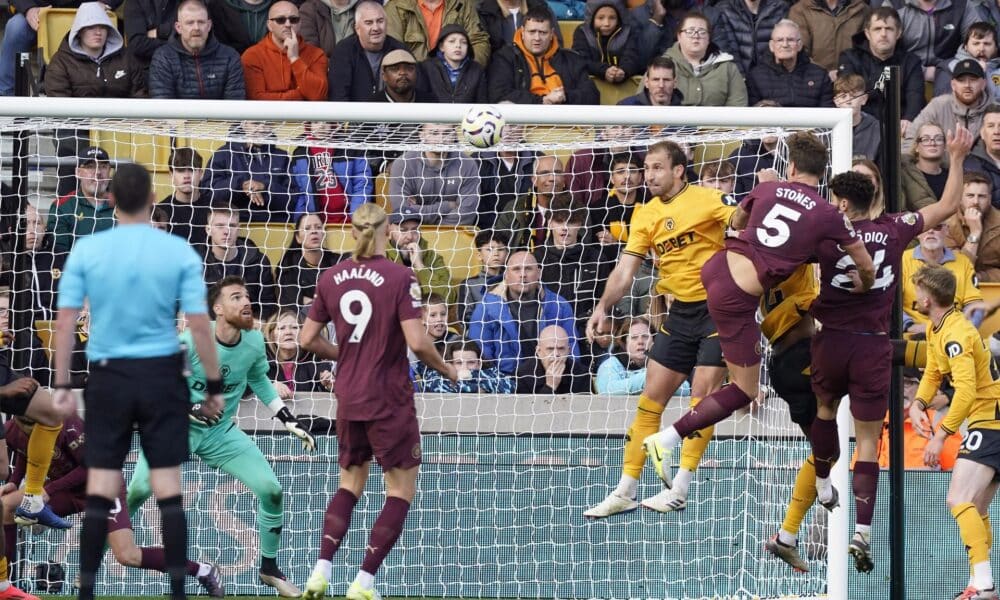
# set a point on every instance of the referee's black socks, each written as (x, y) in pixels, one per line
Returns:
(174, 526)
(92, 538)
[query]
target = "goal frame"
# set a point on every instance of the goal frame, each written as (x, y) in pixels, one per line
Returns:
(837, 120)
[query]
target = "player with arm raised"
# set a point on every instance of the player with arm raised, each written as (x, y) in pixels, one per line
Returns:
(852, 354)
(221, 444)
(782, 224)
(375, 308)
(956, 351)
(683, 225)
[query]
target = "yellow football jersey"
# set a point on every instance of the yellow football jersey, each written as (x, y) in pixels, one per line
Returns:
(966, 289)
(783, 306)
(957, 351)
(683, 232)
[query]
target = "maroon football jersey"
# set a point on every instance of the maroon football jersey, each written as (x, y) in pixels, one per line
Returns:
(68, 453)
(367, 300)
(787, 223)
(886, 238)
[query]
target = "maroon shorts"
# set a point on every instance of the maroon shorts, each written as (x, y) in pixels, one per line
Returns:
(734, 312)
(70, 502)
(855, 364)
(394, 441)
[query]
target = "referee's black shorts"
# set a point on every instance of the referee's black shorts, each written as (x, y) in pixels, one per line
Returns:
(687, 338)
(150, 394)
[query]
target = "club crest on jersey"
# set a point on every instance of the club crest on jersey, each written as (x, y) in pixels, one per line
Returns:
(669, 224)
(415, 294)
(224, 371)
(909, 218)
(952, 349)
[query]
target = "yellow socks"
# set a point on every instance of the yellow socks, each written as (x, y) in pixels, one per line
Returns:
(41, 444)
(803, 496)
(971, 526)
(646, 423)
(693, 446)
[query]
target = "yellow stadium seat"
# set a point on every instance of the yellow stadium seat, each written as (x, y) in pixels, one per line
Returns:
(991, 293)
(53, 25)
(566, 28)
(454, 244)
(611, 93)
(46, 333)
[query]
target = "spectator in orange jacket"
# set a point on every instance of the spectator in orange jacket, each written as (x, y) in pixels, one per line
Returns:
(283, 66)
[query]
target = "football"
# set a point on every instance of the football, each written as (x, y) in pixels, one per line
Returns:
(483, 126)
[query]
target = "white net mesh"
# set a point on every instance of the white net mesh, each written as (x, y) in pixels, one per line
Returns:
(506, 476)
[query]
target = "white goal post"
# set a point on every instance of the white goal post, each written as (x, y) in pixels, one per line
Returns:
(573, 127)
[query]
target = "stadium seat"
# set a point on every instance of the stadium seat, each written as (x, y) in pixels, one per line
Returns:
(611, 93)
(566, 29)
(46, 333)
(53, 25)
(454, 244)
(991, 293)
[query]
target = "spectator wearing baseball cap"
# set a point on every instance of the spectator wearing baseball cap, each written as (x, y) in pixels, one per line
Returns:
(399, 79)
(88, 209)
(450, 73)
(965, 104)
(408, 248)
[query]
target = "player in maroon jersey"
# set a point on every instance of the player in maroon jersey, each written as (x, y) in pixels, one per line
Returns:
(65, 491)
(374, 305)
(852, 354)
(782, 223)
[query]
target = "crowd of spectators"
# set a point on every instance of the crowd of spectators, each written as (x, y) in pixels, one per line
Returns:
(549, 226)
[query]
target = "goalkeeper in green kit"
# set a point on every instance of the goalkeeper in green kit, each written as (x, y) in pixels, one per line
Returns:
(219, 441)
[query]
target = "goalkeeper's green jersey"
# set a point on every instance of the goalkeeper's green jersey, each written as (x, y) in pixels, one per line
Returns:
(242, 364)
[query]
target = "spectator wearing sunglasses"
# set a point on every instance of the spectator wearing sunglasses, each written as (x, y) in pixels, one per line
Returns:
(282, 65)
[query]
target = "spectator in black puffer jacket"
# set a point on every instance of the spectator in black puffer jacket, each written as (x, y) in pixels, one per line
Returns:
(143, 17)
(450, 74)
(606, 41)
(743, 28)
(193, 64)
(92, 62)
(786, 75)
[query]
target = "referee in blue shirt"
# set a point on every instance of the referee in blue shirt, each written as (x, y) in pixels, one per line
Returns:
(135, 278)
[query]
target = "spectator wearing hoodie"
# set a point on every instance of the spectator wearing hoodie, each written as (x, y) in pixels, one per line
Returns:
(786, 75)
(91, 62)
(330, 181)
(706, 76)
(980, 44)
(934, 29)
(500, 19)
(659, 85)
(440, 186)
(193, 65)
(240, 24)
(418, 24)
(282, 65)
(828, 28)
(327, 22)
(253, 175)
(743, 28)
(606, 41)
(965, 105)
(877, 47)
(148, 25)
(535, 70)
(450, 74)
(492, 248)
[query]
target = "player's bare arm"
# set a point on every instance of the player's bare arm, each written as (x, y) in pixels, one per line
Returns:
(311, 340)
(421, 345)
(959, 144)
(619, 283)
(739, 219)
(204, 345)
(864, 264)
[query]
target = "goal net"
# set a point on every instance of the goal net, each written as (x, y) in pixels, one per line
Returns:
(508, 469)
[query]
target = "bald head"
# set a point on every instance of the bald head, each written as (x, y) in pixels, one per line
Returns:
(522, 275)
(553, 343)
(283, 22)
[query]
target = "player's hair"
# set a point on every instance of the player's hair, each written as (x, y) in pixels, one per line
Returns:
(366, 220)
(939, 283)
(719, 169)
(434, 299)
(855, 188)
(132, 188)
(883, 13)
(878, 204)
(673, 151)
(807, 153)
(980, 30)
(185, 158)
(462, 346)
(850, 83)
(662, 62)
(693, 15)
(216, 290)
(485, 236)
(977, 177)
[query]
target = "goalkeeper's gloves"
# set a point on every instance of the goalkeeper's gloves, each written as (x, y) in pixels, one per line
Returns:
(294, 427)
(200, 418)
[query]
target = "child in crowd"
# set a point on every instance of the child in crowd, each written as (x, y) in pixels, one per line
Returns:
(492, 247)
(472, 376)
(849, 91)
(719, 175)
(450, 73)
(607, 42)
